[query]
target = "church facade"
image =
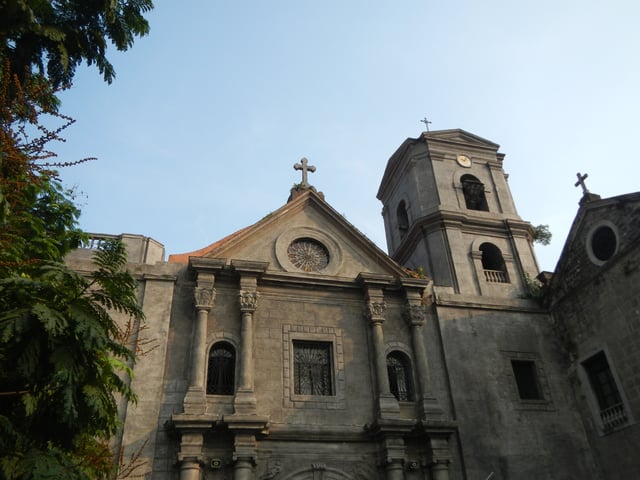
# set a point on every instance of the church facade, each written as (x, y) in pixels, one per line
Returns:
(295, 349)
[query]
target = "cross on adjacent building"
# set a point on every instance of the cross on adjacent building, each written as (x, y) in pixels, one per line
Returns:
(305, 168)
(426, 122)
(580, 182)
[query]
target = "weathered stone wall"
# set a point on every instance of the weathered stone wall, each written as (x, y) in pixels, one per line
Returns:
(597, 308)
(499, 432)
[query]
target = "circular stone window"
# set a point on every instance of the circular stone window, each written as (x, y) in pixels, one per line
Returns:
(603, 243)
(308, 250)
(308, 255)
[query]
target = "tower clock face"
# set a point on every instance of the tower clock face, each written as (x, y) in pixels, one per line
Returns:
(464, 161)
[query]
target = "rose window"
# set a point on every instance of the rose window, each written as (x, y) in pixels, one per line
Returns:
(308, 255)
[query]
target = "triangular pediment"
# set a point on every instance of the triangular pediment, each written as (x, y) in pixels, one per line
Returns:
(603, 231)
(306, 236)
(460, 137)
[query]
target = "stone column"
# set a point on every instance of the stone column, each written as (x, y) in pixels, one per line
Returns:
(190, 455)
(243, 469)
(394, 471)
(244, 455)
(195, 400)
(415, 317)
(440, 456)
(394, 454)
(375, 310)
(190, 469)
(440, 471)
(245, 401)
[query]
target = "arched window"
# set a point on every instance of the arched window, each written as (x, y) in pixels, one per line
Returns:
(495, 270)
(473, 190)
(400, 381)
(403, 219)
(221, 372)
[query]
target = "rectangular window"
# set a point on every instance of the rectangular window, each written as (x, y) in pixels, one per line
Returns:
(312, 368)
(605, 391)
(526, 377)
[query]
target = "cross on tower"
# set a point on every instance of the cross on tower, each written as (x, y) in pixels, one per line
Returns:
(426, 122)
(305, 168)
(581, 179)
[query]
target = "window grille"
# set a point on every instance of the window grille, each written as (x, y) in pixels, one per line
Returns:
(605, 389)
(221, 372)
(312, 368)
(399, 373)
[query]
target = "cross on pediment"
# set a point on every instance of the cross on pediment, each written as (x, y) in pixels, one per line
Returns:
(303, 165)
(426, 122)
(580, 182)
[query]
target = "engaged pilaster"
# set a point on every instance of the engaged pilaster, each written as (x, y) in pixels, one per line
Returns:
(415, 316)
(394, 457)
(245, 399)
(375, 309)
(195, 401)
(440, 456)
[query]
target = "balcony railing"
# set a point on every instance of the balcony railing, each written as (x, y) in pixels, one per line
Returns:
(496, 276)
(95, 240)
(613, 417)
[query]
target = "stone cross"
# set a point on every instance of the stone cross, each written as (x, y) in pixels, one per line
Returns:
(305, 168)
(581, 179)
(426, 122)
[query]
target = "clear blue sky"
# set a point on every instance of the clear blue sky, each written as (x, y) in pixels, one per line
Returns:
(197, 136)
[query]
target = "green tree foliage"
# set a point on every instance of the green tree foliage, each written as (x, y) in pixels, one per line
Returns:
(63, 358)
(542, 234)
(52, 38)
(60, 358)
(37, 215)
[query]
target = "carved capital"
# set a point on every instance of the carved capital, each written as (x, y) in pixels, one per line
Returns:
(204, 297)
(414, 314)
(375, 311)
(248, 300)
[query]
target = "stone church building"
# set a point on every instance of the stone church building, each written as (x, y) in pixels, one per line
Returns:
(296, 349)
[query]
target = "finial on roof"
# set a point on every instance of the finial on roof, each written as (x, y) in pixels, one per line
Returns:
(426, 122)
(305, 168)
(587, 196)
(303, 186)
(581, 179)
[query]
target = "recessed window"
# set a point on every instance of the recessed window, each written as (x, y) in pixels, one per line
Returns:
(526, 377)
(400, 381)
(403, 219)
(495, 270)
(603, 243)
(221, 371)
(312, 368)
(473, 190)
(613, 413)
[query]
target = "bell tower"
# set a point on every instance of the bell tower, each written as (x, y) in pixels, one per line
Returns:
(448, 210)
